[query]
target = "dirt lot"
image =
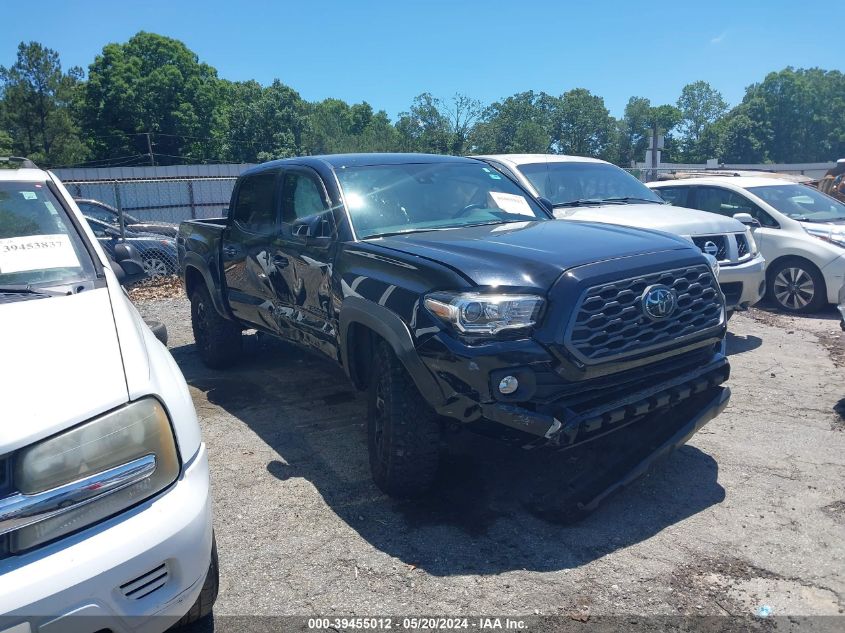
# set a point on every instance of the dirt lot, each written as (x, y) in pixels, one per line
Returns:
(750, 514)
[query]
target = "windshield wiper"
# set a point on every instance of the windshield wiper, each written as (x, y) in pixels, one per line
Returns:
(581, 202)
(624, 199)
(29, 290)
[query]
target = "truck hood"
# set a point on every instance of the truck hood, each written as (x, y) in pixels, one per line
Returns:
(61, 365)
(660, 217)
(528, 254)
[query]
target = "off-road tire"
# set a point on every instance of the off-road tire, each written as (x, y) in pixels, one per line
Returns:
(808, 271)
(218, 340)
(208, 594)
(403, 432)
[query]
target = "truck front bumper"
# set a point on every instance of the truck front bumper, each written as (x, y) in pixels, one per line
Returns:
(743, 284)
(552, 408)
(100, 578)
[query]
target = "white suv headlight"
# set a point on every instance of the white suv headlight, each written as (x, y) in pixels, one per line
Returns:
(477, 313)
(91, 472)
(827, 234)
(752, 243)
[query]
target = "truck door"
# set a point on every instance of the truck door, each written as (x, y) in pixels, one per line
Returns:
(305, 246)
(246, 245)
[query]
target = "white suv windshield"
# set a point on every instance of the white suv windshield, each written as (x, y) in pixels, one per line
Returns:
(801, 202)
(574, 183)
(38, 244)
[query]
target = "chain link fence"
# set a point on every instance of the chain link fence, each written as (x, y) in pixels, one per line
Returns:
(146, 213)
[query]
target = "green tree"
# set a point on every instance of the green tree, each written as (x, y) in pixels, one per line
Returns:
(255, 123)
(633, 131)
(519, 124)
(701, 106)
(424, 128)
(37, 111)
(804, 110)
(151, 84)
(582, 125)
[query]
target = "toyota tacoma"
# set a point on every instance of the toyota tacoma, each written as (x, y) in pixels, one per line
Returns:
(454, 298)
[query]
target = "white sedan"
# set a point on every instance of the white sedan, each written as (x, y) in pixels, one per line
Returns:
(799, 230)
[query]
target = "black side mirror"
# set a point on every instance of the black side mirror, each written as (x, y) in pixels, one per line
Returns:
(547, 204)
(127, 264)
(318, 226)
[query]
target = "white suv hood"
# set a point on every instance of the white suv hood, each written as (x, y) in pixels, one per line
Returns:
(660, 217)
(61, 364)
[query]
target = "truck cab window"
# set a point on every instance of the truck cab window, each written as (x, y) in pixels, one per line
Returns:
(302, 196)
(255, 209)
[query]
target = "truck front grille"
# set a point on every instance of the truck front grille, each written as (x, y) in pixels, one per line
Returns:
(609, 322)
(720, 242)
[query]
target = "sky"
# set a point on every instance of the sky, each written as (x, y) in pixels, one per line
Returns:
(387, 52)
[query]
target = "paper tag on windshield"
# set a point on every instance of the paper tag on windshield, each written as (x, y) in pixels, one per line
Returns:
(511, 203)
(37, 252)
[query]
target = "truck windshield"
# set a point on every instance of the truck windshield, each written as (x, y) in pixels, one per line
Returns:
(801, 202)
(574, 183)
(39, 246)
(388, 199)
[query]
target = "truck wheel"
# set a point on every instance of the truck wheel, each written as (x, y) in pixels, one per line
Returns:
(218, 340)
(403, 433)
(205, 601)
(796, 285)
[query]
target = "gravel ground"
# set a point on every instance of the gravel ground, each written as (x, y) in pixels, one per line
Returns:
(750, 513)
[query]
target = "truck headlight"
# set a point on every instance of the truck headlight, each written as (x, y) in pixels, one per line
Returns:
(714, 264)
(752, 243)
(476, 313)
(91, 472)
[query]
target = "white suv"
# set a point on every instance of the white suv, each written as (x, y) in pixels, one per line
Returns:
(593, 190)
(105, 513)
(800, 231)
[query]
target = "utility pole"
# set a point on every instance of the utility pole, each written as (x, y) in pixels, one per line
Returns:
(150, 150)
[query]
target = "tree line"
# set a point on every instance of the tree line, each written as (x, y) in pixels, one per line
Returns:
(150, 99)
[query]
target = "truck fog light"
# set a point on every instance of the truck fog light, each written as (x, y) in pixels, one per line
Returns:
(508, 385)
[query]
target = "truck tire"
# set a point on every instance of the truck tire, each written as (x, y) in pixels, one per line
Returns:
(403, 433)
(208, 594)
(796, 285)
(218, 340)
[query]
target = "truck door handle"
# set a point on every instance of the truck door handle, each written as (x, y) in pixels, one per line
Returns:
(280, 262)
(230, 251)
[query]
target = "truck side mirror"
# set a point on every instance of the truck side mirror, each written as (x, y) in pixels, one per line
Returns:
(318, 226)
(747, 220)
(127, 264)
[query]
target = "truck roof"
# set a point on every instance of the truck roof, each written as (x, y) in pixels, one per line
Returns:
(530, 159)
(337, 161)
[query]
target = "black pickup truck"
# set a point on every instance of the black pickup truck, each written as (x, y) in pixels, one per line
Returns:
(453, 297)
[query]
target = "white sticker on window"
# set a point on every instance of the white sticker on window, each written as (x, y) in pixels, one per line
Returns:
(29, 195)
(37, 252)
(511, 203)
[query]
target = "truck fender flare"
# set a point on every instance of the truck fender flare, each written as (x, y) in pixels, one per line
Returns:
(192, 260)
(394, 331)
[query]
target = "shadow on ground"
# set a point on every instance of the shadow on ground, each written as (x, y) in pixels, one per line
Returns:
(741, 344)
(492, 509)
